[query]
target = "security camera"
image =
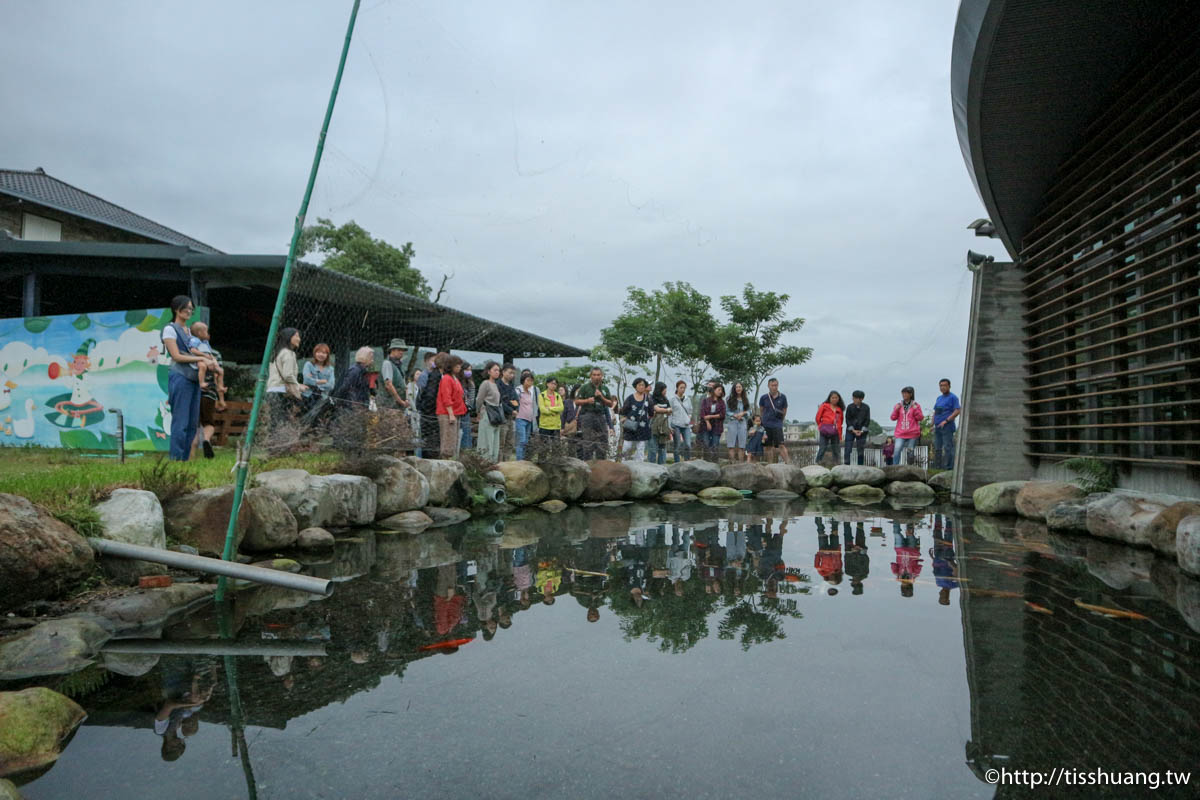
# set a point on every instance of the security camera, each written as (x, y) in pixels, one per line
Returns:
(983, 227)
(975, 261)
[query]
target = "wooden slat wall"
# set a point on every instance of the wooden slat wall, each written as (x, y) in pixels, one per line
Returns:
(1112, 330)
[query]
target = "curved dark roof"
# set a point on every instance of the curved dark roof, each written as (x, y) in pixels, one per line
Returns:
(1027, 77)
(38, 187)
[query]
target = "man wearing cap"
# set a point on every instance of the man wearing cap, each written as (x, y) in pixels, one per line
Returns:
(392, 375)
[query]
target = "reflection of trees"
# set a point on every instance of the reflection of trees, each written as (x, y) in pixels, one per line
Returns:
(757, 625)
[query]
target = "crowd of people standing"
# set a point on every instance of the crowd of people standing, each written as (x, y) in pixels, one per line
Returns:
(447, 407)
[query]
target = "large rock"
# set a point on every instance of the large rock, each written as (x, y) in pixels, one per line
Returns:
(790, 477)
(647, 479)
(853, 475)
(399, 486)
(441, 517)
(720, 496)
(1067, 515)
(861, 493)
(293, 487)
(407, 521)
(567, 478)
(40, 557)
(353, 498)
(692, 476)
(144, 612)
(314, 539)
(819, 494)
(751, 477)
(553, 506)
(35, 724)
(904, 472)
(777, 494)
(1123, 518)
(445, 479)
(1163, 528)
(525, 483)
(1036, 497)
(942, 481)
(8, 791)
(677, 498)
(910, 490)
(998, 498)
(1118, 567)
(817, 476)
(1187, 544)
(269, 522)
(132, 516)
(609, 480)
(55, 647)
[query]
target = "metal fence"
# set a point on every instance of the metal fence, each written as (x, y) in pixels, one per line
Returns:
(805, 453)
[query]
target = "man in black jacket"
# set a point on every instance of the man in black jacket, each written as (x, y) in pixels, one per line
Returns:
(431, 436)
(858, 420)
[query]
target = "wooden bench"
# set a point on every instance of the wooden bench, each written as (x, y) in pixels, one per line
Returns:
(230, 422)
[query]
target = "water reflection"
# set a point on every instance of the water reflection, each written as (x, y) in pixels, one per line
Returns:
(606, 612)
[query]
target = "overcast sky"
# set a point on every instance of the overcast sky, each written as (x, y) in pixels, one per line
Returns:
(547, 155)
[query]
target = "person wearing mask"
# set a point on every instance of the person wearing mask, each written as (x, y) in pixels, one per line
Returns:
(318, 372)
(737, 422)
(465, 440)
(391, 395)
(594, 400)
(527, 413)
(829, 426)
(660, 425)
(908, 415)
(550, 410)
(509, 403)
(712, 421)
(858, 421)
(284, 390)
(773, 407)
(681, 422)
(450, 403)
(635, 420)
(183, 382)
(491, 416)
(945, 410)
(431, 434)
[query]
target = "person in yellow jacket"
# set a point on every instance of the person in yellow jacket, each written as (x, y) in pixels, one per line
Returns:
(550, 409)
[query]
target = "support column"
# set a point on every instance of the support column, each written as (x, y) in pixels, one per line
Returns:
(990, 443)
(31, 296)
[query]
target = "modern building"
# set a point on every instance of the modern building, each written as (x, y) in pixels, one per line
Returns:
(1079, 121)
(66, 251)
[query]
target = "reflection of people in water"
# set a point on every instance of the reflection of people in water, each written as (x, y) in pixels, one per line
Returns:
(680, 559)
(712, 565)
(187, 684)
(945, 564)
(486, 589)
(735, 558)
(634, 556)
(858, 560)
(828, 560)
(448, 603)
(589, 574)
(770, 563)
(522, 573)
(907, 566)
(548, 580)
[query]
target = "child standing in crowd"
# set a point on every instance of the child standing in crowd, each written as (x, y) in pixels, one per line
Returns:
(889, 449)
(908, 416)
(829, 426)
(754, 440)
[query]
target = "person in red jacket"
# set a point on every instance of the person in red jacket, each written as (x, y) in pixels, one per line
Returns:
(450, 403)
(829, 426)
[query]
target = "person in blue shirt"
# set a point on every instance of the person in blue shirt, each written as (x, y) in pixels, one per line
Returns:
(773, 409)
(945, 410)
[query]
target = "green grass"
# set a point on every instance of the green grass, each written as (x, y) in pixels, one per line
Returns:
(66, 482)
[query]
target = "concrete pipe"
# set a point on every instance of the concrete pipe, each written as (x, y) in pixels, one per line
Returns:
(214, 647)
(213, 566)
(495, 493)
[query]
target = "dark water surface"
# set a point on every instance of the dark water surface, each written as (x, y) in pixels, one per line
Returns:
(776, 653)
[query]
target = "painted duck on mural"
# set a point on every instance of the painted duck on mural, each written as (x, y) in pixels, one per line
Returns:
(76, 408)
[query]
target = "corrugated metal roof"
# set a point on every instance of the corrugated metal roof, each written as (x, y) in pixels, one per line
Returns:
(38, 187)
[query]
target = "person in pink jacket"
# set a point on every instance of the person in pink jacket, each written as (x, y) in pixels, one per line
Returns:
(908, 416)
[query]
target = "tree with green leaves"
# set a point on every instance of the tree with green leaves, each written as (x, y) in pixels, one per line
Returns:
(752, 343)
(673, 325)
(351, 250)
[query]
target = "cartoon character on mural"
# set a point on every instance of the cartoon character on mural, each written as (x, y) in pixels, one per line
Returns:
(76, 408)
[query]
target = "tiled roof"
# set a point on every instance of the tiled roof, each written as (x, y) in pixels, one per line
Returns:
(38, 187)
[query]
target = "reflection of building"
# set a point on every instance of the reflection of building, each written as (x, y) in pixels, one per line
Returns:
(1079, 120)
(65, 251)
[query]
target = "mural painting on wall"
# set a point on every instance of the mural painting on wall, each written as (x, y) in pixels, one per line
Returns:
(59, 376)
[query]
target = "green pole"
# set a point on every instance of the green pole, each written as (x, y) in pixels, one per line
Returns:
(243, 465)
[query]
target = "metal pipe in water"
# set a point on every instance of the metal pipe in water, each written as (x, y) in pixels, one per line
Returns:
(214, 566)
(214, 647)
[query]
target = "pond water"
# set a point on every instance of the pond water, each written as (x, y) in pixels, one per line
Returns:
(638, 651)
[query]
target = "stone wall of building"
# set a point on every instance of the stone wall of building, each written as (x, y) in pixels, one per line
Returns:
(74, 229)
(990, 442)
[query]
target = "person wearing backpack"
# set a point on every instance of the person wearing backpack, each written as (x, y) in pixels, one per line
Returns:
(431, 435)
